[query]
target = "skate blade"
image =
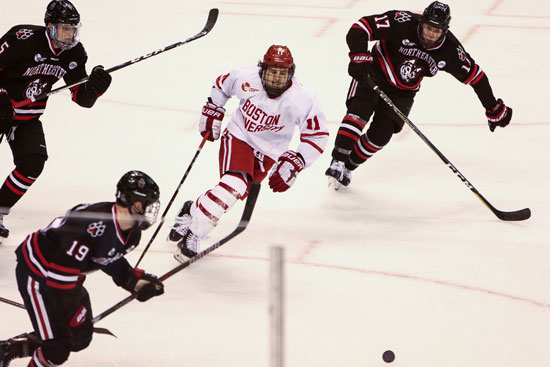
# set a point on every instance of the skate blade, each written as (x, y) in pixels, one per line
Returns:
(334, 184)
(180, 257)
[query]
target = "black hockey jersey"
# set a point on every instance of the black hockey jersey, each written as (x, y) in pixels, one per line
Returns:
(30, 66)
(87, 238)
(404, 62)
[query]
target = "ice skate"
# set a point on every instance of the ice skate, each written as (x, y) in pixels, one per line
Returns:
(4, 232)
(181, 225)
(18, 347)
(338, 175)
(188, 246)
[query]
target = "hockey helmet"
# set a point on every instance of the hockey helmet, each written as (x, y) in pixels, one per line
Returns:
(65, 23)
(136, 186)
(436, 15)
(275, 78)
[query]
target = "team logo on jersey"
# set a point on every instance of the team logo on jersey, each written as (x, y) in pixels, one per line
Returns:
(406, 42)
(35, 88)
(23, 34)
(441, 64)
(96, 229)
(39, 58)
(72, 65)
(402, 17)
(409, 70)
(247, 88)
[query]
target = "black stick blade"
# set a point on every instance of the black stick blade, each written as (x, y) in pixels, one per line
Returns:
(517, 215)
(211, 21)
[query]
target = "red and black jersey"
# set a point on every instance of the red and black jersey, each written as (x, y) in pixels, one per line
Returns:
(87, 238)
(30, 65)
(404, 62)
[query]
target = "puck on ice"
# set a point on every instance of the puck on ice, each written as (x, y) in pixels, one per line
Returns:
(388, 356)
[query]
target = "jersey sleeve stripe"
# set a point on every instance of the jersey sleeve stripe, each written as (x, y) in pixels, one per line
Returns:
(312, 144)
(363, 25)
(475, 77)
(305, 135)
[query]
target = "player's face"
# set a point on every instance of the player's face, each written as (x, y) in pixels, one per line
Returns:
(430, 34)
(276, 77)
(65, 35)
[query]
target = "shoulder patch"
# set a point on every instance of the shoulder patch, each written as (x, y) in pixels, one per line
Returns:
(96, 229)
(402, 17)
(23, 33)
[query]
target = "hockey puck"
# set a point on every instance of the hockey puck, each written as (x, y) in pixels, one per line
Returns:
(388, 356)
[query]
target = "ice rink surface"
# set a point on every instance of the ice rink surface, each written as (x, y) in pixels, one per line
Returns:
(407, 259)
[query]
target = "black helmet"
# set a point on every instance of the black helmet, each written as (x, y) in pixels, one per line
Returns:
(437, 15)
(137, 186)
(61, 11)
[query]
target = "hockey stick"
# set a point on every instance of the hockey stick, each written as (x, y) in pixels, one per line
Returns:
(13, 303)
(212, 18)
(173, 197)
(247, 213)
(517, 215)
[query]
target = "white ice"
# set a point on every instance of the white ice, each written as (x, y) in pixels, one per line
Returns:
(407, 259)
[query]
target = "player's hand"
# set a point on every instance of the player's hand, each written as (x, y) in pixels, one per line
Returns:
(288, 166)
(6, 113)
(144, 285)
(99, 80)
(500, 116)
(211, 120)
(360, 66)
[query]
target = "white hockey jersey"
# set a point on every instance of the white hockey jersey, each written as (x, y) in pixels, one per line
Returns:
(268, 124)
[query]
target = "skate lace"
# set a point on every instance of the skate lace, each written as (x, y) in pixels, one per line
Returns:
(181, 224)
(192, 241)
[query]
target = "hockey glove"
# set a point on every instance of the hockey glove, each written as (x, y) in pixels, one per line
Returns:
(99, 80)
(360, 66)
(211, 120)
(144, 285)
(6, 112)
(288, 166)
(500, 117)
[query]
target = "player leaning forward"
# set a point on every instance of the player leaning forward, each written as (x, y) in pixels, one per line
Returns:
(409, 47)
(52, 264)
(272, 103)
(32, 59)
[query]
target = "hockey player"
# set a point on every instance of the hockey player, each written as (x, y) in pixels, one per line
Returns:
(32, 59)
(52, 264)
(272, 103)
(410, 47)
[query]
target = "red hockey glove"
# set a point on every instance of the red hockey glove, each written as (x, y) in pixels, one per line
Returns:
(6, 112)
(99, 80)
(360, 66)
(288, 166)
(500, 117)
(143, 284)
(211, 120)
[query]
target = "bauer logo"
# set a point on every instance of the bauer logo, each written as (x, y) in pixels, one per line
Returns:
(247, 88)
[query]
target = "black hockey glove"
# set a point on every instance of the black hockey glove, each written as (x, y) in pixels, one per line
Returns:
(144, 285)
(500, 117)
(6, 113)
(360, 66)
(98, 81)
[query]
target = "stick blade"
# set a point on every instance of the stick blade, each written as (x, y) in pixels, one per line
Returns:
(517, 215)
(211, 21)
